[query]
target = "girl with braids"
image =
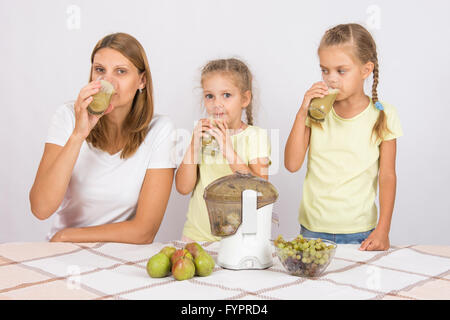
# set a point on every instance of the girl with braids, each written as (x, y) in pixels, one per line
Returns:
(227, 93)
(353, 150)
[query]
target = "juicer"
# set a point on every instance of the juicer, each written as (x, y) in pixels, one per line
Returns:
(240, 211)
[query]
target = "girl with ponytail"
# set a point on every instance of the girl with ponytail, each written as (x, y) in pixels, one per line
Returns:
(242, 146)
(352, 151)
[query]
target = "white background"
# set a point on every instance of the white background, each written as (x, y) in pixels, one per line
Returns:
(45, 51)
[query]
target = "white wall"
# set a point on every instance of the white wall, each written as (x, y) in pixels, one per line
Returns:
(45, 49)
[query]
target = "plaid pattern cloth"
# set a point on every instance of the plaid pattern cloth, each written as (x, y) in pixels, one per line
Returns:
(35, 270)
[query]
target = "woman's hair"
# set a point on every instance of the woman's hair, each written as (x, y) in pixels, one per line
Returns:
(365, 50)
(239, 72)
(136, 123)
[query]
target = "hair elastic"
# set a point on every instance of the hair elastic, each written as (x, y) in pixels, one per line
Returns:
(379, 106)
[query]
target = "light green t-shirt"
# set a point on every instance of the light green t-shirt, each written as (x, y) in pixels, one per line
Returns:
(341, 181)
(250, 144)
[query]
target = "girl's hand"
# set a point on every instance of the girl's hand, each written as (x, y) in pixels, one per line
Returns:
(376, 241)
(84, 121)
(318, 90)
(202, 126)
(220, 133)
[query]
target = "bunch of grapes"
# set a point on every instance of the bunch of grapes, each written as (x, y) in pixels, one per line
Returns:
(304, 257)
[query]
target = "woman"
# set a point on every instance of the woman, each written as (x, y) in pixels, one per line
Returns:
(108, 178)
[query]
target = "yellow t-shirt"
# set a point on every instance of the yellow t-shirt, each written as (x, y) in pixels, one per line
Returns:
(340, 186)
(250, 144)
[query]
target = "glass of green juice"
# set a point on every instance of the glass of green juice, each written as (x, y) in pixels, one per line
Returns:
(319, 107)
(102, 98)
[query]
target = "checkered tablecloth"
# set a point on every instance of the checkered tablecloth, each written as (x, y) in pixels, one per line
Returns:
(35, 270)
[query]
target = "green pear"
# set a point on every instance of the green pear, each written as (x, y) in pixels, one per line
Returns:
(158, 266)
(168, 251)
(183, 269)
(180, 253)
(194, 248)
(204, 264)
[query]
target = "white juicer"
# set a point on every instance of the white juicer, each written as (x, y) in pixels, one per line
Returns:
(240, 211)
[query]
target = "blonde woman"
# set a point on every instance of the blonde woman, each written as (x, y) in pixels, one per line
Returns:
(107, 178)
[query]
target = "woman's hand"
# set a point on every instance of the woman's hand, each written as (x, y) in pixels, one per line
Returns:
(84, 121)
(376, 241)
(318, 90)
(58, 236)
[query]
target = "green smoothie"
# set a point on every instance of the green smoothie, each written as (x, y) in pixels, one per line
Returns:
(320, 107)
(101, 99)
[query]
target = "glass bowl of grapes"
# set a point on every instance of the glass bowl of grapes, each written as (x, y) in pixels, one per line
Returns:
(305, 257)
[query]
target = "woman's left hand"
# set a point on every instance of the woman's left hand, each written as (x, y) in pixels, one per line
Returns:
(376, 241)
(58, 236)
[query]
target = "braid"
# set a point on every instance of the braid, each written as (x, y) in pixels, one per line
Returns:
(376, 74)
(380, 128)
(249, 114)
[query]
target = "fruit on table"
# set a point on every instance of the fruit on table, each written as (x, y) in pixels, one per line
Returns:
(183, 268)
(194, 249)
(204, 264)
(168, 251)
(180, 253)
(158, 266)
(184, 263)
(305, 257)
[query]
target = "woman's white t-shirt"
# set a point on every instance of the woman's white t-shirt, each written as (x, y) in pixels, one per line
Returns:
(105, 188)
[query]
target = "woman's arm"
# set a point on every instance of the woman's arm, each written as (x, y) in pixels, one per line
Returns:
(379, 238)
(142, 229)
(57, 163)
(53, 176)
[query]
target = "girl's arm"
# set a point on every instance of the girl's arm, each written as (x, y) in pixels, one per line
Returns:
(258, 167)
(186, 176)
(142, 229)
(379, 238)
(298, 141)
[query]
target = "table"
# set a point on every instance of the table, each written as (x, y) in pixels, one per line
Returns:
(108, 271)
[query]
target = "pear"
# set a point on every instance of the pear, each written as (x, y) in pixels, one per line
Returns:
(158, 266)
(168, 251)
(180, 253)
(183, 268)
(204, 264)
(194, 248)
